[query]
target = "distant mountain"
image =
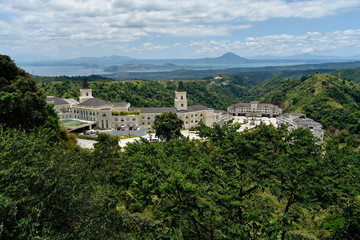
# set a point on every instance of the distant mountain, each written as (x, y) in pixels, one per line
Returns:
(227, 58)
(145, 67)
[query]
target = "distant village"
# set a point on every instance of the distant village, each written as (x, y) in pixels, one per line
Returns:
(90, 112)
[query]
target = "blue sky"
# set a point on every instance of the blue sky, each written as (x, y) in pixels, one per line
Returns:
(63, 29)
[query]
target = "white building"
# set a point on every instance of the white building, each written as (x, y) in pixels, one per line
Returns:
(108, 115)
(299, 120)
(254, 109)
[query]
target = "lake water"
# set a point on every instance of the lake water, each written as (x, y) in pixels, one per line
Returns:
(70, 71)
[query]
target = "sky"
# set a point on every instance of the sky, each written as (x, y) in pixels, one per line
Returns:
(65, 29)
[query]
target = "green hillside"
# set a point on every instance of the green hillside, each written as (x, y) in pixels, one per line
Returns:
(329, 99)
(350, 74)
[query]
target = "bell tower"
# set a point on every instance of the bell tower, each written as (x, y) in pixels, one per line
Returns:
(85, 91)
(180, 100)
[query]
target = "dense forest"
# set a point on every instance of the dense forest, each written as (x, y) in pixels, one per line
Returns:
(265, 183)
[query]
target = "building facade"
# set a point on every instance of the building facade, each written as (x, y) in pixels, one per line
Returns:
(108, 115)
(254, 109)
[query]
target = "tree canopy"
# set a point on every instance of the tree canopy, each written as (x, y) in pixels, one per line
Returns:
(22, 104)
(168, 126)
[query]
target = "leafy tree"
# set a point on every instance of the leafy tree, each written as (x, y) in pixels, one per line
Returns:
(167, 126)
(22, 104)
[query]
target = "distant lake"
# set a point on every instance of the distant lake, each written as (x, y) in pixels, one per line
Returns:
(70, 71)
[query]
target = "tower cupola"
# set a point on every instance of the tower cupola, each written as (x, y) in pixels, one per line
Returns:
(180, 100)
(85, 91)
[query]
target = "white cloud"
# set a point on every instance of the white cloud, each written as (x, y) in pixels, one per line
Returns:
(283, 44)
(56, 24)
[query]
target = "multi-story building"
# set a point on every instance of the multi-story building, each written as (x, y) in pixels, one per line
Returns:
(254, 109)
(107, 114)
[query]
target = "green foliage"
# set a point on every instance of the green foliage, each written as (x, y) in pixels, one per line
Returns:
(22, 104)
(350, 74)
(168, 126)
(254, 185)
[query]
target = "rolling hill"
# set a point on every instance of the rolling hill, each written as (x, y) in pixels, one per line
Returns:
(329, 99)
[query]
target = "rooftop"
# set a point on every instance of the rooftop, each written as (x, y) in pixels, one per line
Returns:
(180, 87)
(97, 102)
(56, 100)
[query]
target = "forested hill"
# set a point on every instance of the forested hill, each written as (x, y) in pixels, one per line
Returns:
(329, 99)
(217, 94)
(350, 74)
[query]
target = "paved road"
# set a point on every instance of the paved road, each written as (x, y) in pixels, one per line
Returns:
(89, 144)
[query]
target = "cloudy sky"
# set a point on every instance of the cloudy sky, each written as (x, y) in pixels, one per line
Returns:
(63, 29)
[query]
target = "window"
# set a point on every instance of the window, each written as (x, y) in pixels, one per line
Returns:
(182, 97)
(116, 119)
(182, 105)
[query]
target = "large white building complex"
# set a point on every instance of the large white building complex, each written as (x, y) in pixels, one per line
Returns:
(106, 115)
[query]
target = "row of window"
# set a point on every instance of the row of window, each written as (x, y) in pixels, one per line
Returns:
(126, 119)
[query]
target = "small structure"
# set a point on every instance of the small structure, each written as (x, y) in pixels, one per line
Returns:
(254, 109)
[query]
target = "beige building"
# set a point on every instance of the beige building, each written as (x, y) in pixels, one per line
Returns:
(108, 115)
(254, 109)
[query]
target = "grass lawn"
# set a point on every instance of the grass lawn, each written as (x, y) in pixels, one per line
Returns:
(75, 124)
(65, 121)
